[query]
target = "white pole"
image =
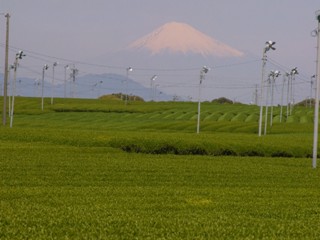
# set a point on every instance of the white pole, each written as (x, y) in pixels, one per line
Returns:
(283, 81)
(13, 91)
(311, 95)
(288, 94)
(42, 88)
(151, 89)
(203, 71)
(264, 61)
(272, 90)
(199, 103)
(10, 89)
(45, 67)
(52, 85)
(292, 98)
(129, 69)
(5, 79)
(316, 110)
(65, 80)
(126, 99)
(266, 116)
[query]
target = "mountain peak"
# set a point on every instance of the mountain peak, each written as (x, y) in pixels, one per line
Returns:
(180, 37)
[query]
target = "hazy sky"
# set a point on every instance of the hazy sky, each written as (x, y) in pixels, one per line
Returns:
(83, 29)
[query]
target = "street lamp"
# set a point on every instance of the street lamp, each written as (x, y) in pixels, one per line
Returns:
(65, 80)
(267, 104)
(203, 71)
(98, 84)
(288, 92)
(316, 105)
(10, 88)
(45, 67)
(282, 92)
(274, 75)
(293, 72)
(6, 67)
(19, 55)
(152, 86)
(74, 73)
(269, 45)
(129, 69)
(311, 87)
(155, 91)
(52, 85)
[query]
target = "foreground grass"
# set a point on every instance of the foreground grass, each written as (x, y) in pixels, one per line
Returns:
(64, 176)
(55, 192)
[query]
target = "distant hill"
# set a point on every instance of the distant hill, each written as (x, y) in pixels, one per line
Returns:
(87, 86)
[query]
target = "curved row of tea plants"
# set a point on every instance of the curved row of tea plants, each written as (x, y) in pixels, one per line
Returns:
(217, 144)
(162, 110)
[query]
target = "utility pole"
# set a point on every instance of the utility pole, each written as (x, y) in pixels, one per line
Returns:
(283, 83)
(129, 69)
(19, 55)
(65, 80)
(269, 45)
(73, 75)
(203, 72)
(312, 81)
(288, 93)
(52, 85)
(152, 87)
(45, 67)
(267, 104)
(274, 75)
(256, 95)
(316, 107)
(293, 72)
(6, 69)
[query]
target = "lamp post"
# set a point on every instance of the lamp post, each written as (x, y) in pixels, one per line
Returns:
(282, 92)
(269, 45)
(19, 55)
(5, 80)
(129, 69)
(316, 105)
(52, 85)
(45, 67)
(288, 92)
(155, 91)
(203, 71)
(274, 75)
(293, 73)
(311, 87)
(152, 86)
(65, 80)
(267, 105)
(73, 75)
(98, 84)
(11, 87)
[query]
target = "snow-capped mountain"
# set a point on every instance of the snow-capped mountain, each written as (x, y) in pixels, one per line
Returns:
(176, 52)
(178, 37)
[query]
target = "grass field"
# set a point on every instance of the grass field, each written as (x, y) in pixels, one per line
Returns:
(90, 169)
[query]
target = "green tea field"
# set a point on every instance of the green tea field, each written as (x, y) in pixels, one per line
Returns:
(99, 169)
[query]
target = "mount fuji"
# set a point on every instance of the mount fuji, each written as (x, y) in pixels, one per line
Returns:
(176, 52)
(182, 38)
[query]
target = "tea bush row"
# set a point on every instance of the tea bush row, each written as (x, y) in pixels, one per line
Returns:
(221, 145)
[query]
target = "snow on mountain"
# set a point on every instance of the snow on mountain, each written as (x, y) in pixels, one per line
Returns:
(180, 37)
(176, 52)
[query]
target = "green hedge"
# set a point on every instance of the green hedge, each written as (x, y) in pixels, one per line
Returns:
(221, 145)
